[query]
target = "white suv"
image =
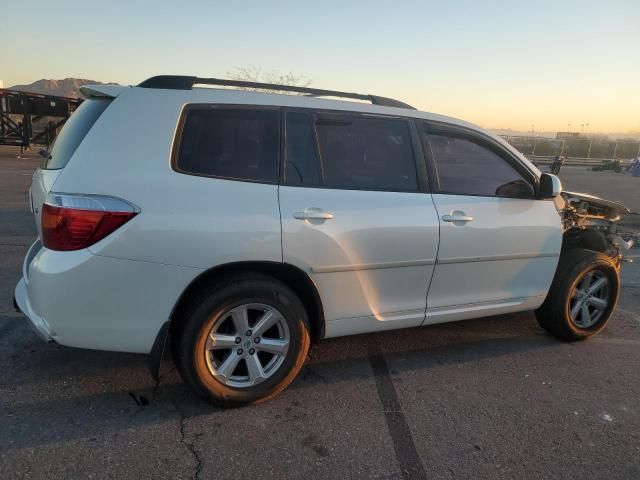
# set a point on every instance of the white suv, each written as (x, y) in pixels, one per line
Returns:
(244, 225)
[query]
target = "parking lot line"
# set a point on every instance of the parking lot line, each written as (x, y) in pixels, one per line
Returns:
(403, 444)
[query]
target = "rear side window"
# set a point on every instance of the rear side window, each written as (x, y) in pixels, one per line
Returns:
(238, 144)
(74, 131)
(366, 153)
(468, 168)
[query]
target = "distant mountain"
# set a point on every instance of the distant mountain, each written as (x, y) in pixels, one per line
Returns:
(69, 87)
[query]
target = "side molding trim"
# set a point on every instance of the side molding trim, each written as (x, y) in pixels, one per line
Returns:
(495, 258)
(372, 266)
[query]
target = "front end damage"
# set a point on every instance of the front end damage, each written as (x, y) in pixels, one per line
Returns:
(593, 223)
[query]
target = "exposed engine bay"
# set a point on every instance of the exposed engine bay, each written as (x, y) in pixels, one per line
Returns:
(592, 222)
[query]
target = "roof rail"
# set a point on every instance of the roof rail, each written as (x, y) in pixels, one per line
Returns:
(183, 82)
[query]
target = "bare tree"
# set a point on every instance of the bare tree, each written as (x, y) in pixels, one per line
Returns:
(256, 74)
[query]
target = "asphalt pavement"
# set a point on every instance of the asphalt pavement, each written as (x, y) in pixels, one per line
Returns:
(483, 399)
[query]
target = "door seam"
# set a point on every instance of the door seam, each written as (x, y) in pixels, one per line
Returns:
(281, 232)
(435, 265)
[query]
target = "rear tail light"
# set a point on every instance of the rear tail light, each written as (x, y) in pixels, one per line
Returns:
(73, 222)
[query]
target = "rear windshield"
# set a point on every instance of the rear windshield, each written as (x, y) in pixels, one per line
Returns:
(74, 131)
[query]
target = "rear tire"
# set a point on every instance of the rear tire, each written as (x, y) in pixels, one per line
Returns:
(271, 325)
(583, 295)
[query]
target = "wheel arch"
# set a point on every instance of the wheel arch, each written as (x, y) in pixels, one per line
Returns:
(585, 238)
(292, 276)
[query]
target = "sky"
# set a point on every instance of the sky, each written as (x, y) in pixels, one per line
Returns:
(525, 65)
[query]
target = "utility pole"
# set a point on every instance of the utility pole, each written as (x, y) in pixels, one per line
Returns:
(533, 129)
(615, 150)
(589, 152)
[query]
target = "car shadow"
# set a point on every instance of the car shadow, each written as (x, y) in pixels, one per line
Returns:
(60, 394)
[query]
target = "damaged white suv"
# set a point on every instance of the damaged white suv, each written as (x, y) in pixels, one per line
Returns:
(244, 225)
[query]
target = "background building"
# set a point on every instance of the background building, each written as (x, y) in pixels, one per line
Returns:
(563, 135)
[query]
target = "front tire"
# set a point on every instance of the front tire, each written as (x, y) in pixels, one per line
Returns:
(243, 342)
(583, 295)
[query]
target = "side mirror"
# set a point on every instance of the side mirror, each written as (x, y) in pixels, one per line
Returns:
(550, 186)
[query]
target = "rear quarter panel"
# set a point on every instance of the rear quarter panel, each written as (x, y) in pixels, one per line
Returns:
(185, 220)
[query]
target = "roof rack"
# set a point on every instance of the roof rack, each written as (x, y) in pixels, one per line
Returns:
(183, 82)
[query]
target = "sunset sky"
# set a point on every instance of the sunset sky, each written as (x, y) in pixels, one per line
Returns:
(501, 64)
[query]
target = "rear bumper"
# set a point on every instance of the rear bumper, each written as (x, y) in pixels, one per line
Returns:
(37, 323)
(21, 297)
(83, 300)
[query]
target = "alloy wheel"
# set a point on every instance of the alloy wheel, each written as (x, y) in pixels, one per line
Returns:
(247, 345)
(589, 298)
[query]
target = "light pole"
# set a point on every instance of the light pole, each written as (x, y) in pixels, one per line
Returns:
(533, 129)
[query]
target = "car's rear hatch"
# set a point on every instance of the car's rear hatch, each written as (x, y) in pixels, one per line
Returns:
(67, 142)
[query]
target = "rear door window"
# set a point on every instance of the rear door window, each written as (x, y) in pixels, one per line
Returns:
(351, 152)
(239, 143)
(74, 131)
(368, 153)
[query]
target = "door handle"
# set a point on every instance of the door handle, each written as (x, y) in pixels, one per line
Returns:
(457, 217)
(313, 214)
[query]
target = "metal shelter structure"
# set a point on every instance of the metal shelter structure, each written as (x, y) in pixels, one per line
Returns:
(32, 118)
